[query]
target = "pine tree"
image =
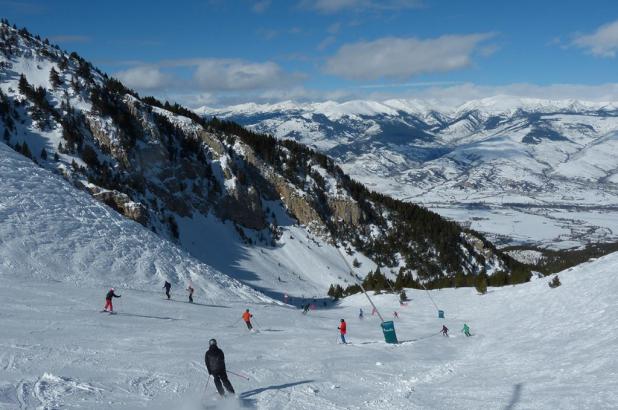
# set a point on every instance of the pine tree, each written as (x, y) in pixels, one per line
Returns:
(63, 64)
(44, 154)
(54, 78)
(481, 283)
(25, 150)
(23, 85)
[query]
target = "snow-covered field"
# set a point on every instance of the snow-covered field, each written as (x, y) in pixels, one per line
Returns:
(532, 348)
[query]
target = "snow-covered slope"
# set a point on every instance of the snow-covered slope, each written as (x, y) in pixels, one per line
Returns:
(51, 231)
(532, 348)
(546, 165)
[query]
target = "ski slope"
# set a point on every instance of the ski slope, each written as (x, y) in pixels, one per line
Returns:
(51, 231)
(532, 348)
(60, 250)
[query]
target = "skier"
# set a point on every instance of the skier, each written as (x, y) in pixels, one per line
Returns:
(190, 290)
(215, 363)
(395, 315)
(444, 331)
(306, 308)
(466, 330)
(360, 313)
(374, 311)
(342, 331)
(108, 301)
(167, 286)
(247, 318)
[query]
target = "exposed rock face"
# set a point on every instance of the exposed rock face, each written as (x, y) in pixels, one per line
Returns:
(480, 247)
(297, 203)
(102, 136)
(243, 205)
(122, 203)
(346, 210)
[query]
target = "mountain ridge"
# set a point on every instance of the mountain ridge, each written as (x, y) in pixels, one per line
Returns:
(493, 152)
(182, 176)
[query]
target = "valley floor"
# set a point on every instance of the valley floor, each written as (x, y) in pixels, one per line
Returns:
(532, 347)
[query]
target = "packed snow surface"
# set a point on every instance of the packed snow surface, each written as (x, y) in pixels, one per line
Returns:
(532, 348)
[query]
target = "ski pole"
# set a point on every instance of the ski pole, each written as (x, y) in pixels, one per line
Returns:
(208, 381)
(239, 375)
(234, 324)
(256, 323)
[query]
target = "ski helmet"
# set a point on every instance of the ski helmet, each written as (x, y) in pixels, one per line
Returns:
(212, 342)
(112, 289)
(342, 320)
(247, 310)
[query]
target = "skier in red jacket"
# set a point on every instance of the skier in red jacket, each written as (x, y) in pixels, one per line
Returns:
(108, 301)
(342, 330)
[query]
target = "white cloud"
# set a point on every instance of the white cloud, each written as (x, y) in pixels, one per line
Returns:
(334, 6)
(602, 43)
(444, 94)
(401, 58)
(144, 78)
(207, 76)
(232, 75)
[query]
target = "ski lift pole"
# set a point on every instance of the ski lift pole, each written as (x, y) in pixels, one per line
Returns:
(361, 285)
(388, 327)
(440, 312)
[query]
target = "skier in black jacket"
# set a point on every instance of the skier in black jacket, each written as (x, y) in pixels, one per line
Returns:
(215, 363)
(167, 286)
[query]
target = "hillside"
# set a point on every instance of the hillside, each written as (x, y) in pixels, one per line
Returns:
(49, 231)
(532, 348)
(519, 170)
(274, 207)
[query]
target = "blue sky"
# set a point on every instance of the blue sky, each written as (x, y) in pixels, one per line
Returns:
(225, 52)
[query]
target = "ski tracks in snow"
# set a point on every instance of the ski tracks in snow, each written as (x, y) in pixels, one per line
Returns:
(48, 392)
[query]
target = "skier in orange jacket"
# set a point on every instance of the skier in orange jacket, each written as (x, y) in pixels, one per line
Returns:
(247, 318)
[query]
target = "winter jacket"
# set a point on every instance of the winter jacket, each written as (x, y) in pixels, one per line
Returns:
(215, 360)
(342, 328)
(167, 286)
(247, 316)
(111, 295)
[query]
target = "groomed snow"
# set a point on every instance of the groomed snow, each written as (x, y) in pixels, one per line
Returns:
(532, 348)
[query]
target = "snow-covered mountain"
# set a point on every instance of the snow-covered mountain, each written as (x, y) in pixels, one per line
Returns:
(521, 170)
(252, 207)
